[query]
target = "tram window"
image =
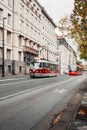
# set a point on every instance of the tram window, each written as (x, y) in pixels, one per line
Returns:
(51, 67)
(41, 64)
(31, 65)
(72, 68)
(36, 64)
(55, 67)
(46, 65)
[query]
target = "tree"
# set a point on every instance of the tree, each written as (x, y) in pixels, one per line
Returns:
(75, 26)
(64, 26)
(79, 26)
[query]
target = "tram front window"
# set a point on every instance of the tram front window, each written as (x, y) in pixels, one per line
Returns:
(36, 64)
(72, 68)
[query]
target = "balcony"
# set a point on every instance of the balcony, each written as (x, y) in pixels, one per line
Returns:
(31, 50)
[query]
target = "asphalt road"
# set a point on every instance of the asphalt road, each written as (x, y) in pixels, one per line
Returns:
(25, 102)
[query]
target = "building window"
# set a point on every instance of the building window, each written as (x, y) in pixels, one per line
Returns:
(21, 24)
(27, 2)
(21, 9)
(27, 13)
(20, 69)
(9, 19)
(25, 42)
(20, 41)
(0, 34)
(19, 56)
(8, 37)
(0, 52)
(8, 54)
(26, 28)
(1, 13)
(9, 68)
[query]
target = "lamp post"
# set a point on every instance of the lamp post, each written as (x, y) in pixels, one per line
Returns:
(3, 71)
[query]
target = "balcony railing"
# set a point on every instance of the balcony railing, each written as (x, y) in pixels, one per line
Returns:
(31, 50)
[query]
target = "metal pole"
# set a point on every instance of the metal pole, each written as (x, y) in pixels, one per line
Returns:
(3, 71)
(13, 39)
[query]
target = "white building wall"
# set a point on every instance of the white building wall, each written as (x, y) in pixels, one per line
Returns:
(49, 38)
(26, 19)
(66, 56)
(64, 53)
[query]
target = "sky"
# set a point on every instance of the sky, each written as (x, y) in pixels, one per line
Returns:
(57, 8)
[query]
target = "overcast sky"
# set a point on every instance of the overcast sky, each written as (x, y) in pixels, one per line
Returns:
(57, 8)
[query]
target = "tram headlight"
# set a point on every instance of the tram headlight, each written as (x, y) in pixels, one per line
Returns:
(36, 71)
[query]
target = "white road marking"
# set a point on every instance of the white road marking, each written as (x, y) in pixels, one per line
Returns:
(15, 94)
(22, 92)
(60, 90)
(15, 82)
(10, 79)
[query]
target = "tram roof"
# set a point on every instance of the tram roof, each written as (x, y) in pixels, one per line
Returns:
(46, 61)
(76, 65)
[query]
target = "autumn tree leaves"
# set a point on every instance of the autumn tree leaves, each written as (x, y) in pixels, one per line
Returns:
(75, 26)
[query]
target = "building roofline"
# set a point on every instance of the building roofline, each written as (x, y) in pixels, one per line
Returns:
(45, 13)
(38, 3)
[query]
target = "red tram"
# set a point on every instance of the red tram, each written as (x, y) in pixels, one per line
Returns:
(75, 69)
(43, 68)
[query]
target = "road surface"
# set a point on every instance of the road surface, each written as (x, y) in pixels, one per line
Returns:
(24, 102)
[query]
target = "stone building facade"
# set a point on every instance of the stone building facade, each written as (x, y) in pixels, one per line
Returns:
(65, 55)
(29, 32)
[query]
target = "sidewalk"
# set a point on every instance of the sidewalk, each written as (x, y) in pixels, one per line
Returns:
(15, 76)
(63, 117)
(72, 118)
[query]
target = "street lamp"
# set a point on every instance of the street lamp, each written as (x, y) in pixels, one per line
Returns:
(3, 71)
